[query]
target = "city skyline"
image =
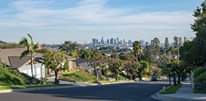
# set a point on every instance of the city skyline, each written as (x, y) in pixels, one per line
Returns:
(50, 21)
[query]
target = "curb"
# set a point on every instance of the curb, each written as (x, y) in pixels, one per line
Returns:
(171, 97)
(159, 97)
(121, 82)
(34, 89)
(6, 91)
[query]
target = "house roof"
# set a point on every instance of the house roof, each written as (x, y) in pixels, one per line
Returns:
(16, 61)
(11, 57)
(5, 53)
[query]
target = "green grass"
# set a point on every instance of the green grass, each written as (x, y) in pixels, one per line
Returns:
(4, 87)
(12, 79)
(78, 76)
(198, 91)
(170, 89)
(10, 76)
(44, 85)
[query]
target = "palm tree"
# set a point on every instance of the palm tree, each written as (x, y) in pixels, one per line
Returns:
(114, 67)
(31, 48)
(56, 61)
(137, 50)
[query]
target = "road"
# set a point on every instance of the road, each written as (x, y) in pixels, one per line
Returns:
(115, 92)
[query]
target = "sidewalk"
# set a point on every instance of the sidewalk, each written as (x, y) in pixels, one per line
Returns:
(184, 93)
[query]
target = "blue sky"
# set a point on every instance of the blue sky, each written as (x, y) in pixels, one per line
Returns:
(53, 21)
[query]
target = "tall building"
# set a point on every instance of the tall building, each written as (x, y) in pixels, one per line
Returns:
(102, 40)
(117, 40)
(107, 41)
(111, 41)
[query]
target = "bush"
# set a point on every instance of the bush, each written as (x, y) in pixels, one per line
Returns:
(171, 89)
(201, 78)
(200, 83)
(198, 71)
(9, 78)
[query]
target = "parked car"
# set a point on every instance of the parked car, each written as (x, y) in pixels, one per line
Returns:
(154, 78)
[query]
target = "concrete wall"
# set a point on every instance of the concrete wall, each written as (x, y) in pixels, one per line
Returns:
(38, 70)
(71, 65)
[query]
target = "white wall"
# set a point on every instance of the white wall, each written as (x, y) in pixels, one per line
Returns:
(38, 70)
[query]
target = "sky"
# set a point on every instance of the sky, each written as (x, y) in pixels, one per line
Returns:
(54, 21)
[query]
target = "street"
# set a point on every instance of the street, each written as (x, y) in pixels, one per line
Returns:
(115, 92)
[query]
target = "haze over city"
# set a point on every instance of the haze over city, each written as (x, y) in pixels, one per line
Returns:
(52, 21)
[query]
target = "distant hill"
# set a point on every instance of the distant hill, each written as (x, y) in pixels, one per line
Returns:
(2, 42)
(4, 45)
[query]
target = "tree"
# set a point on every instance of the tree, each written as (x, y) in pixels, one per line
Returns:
(166, 44)
(137, 50)
(198, 49)
(155, 49)
(31, 48)
(114, 67)
(185, 54)
(56, 61)
(194, 53)
(141, 68)
(94, 58)
(71, 48)
(130, 70)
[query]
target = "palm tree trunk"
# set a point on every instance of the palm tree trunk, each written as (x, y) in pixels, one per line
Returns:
(170, 80)
(41, 73)
(32, 74)
(178, 79)
(174, 79)
(56, 76)
(140, 77)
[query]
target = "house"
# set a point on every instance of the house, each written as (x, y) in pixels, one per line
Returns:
(72, 64)
(11, 57)
(83, 64)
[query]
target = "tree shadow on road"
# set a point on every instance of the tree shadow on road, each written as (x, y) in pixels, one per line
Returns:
(116, 92)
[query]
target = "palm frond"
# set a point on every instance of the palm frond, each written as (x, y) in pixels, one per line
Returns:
(24, 42)
(35, 47)
(24, 53)
(30, 39)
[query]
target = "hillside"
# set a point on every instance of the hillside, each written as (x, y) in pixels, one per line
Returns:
(12, 77)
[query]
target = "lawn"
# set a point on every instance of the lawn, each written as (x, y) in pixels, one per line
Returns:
(4, 87)
(170, 89)
(78, 76)
(10, 76)
(12, 79)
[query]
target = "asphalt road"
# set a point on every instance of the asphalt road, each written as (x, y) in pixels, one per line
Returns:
(116, 92)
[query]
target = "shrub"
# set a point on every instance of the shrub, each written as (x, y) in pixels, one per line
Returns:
(7, 77)
(201, 78)
(171, 89)
(198, 71)
(11, 76)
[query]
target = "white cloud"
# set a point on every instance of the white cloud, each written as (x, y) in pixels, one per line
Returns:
(93, 15)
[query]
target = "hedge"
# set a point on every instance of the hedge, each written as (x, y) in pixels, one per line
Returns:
(199, 71)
